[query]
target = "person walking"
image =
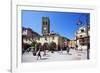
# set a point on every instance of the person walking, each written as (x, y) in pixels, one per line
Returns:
(38, 54)
(38, 51)
(66, 46)
(61, 50)
(33, 48)
(68, 49)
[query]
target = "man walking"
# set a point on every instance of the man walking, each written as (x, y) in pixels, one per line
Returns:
(38, 51)
(38, 54)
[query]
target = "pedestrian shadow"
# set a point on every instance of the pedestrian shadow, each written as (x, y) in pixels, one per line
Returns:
(44, 58)
(81, 52)
(47, 55)
(67, 54)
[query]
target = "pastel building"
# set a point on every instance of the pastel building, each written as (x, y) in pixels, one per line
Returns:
(81, 38)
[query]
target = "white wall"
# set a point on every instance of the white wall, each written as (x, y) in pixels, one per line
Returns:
(5, 34)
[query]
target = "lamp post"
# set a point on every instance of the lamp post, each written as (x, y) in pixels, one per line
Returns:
(88, 48)
(87, 24)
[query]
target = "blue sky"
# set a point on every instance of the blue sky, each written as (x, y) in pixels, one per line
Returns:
(64, 23)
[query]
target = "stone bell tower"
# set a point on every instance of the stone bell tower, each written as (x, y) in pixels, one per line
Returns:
(45, 26)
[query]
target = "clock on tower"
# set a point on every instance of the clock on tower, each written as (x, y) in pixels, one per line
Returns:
(45, 26)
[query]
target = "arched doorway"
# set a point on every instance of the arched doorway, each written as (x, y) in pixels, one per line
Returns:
(45, 47)
(53, 46)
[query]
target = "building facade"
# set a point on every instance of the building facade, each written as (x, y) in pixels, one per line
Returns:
(72, 44)
(47, 37)
(28, 36)
(52, 37)
(82, 39)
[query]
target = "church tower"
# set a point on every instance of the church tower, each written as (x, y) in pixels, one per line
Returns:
(45, 26)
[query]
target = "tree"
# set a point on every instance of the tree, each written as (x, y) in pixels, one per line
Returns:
(52, 46)
(45, 47)
(39, 46)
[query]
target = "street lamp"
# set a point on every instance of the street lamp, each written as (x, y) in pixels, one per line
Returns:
(87, 24)
(88, 48)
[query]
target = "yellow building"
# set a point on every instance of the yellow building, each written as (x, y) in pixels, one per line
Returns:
(72, 43)
(52, 37)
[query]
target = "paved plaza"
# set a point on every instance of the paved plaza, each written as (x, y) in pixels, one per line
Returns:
(56, 56)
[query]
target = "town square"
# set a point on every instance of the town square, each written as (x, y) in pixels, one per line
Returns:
(49, 36)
